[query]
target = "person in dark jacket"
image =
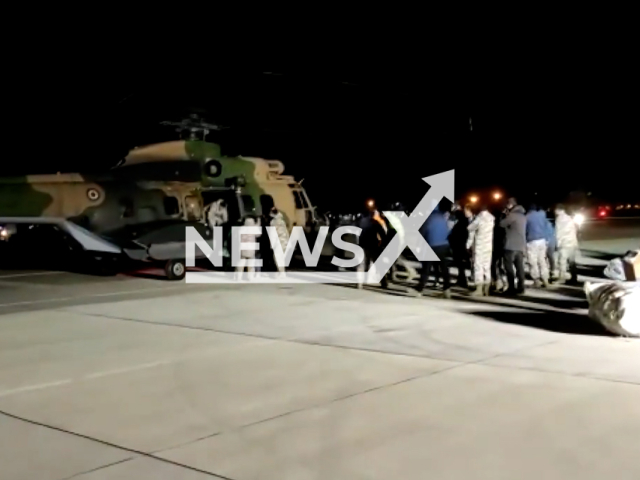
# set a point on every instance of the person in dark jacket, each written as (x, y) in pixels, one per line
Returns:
(372, 239)
(266, 251)
(458, 242)
(435, 230)
(498, 270)
(515, 225)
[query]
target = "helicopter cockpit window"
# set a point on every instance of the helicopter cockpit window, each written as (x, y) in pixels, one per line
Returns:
(171, 206)
(298, 199)
(304, 199)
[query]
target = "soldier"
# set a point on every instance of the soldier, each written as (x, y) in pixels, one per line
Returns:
(567, 244)
(246, 255)
(218, 213)
(537, 246)
(481, 243)
(277, 221)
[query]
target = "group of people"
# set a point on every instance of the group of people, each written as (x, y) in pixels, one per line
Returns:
(217, 215)
(496, 245)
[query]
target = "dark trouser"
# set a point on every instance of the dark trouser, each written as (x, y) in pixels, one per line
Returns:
(497, 265)
(268, 260)
(371, 254)
(460, 261)
(514, 259)
(442, 251)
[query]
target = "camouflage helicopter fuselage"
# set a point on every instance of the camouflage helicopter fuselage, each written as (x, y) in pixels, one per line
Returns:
(99, 203)
(260, 181)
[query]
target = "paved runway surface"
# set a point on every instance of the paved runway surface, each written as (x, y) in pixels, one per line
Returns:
(133, 378)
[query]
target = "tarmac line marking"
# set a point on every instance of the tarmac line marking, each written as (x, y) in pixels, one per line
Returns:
(102, 374)
(30, 274)
(109, 294)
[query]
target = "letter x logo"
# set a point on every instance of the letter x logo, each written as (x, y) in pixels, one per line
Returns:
(442, 185)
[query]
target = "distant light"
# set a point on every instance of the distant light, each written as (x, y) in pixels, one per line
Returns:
(473, 199)
(578, 218)
(497, 195)
(603, 213)
(370, 203)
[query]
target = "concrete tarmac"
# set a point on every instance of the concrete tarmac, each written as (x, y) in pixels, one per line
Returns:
(134, 378)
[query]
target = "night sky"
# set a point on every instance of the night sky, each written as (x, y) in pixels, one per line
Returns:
(358, 132)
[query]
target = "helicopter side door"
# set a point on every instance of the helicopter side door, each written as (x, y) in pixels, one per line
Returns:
(303, 213)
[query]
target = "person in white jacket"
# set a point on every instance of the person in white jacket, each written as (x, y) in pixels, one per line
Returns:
(246, 255)
(480, 242)
(566, 244)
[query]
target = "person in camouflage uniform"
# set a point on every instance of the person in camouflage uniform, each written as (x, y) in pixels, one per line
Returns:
(278, 221)
(566, 243)
(537, 246)
(481, 243)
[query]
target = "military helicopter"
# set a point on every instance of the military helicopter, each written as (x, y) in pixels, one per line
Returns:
(103, 220)
(256, 183)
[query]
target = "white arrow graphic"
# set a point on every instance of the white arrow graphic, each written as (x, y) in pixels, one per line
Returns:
(442, 185)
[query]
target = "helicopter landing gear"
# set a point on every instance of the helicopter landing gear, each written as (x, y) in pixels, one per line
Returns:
(175, 269)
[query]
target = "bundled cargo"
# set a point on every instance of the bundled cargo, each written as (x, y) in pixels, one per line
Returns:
(615, 305)
(626, 268)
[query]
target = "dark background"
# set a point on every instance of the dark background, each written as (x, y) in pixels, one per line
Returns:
(355, 128)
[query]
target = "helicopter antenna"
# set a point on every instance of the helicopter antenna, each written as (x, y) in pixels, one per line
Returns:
(193, 127)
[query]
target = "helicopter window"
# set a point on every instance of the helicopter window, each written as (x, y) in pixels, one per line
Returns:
(213, 168)
(171, 206)
(304, 199)
(298, 199)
